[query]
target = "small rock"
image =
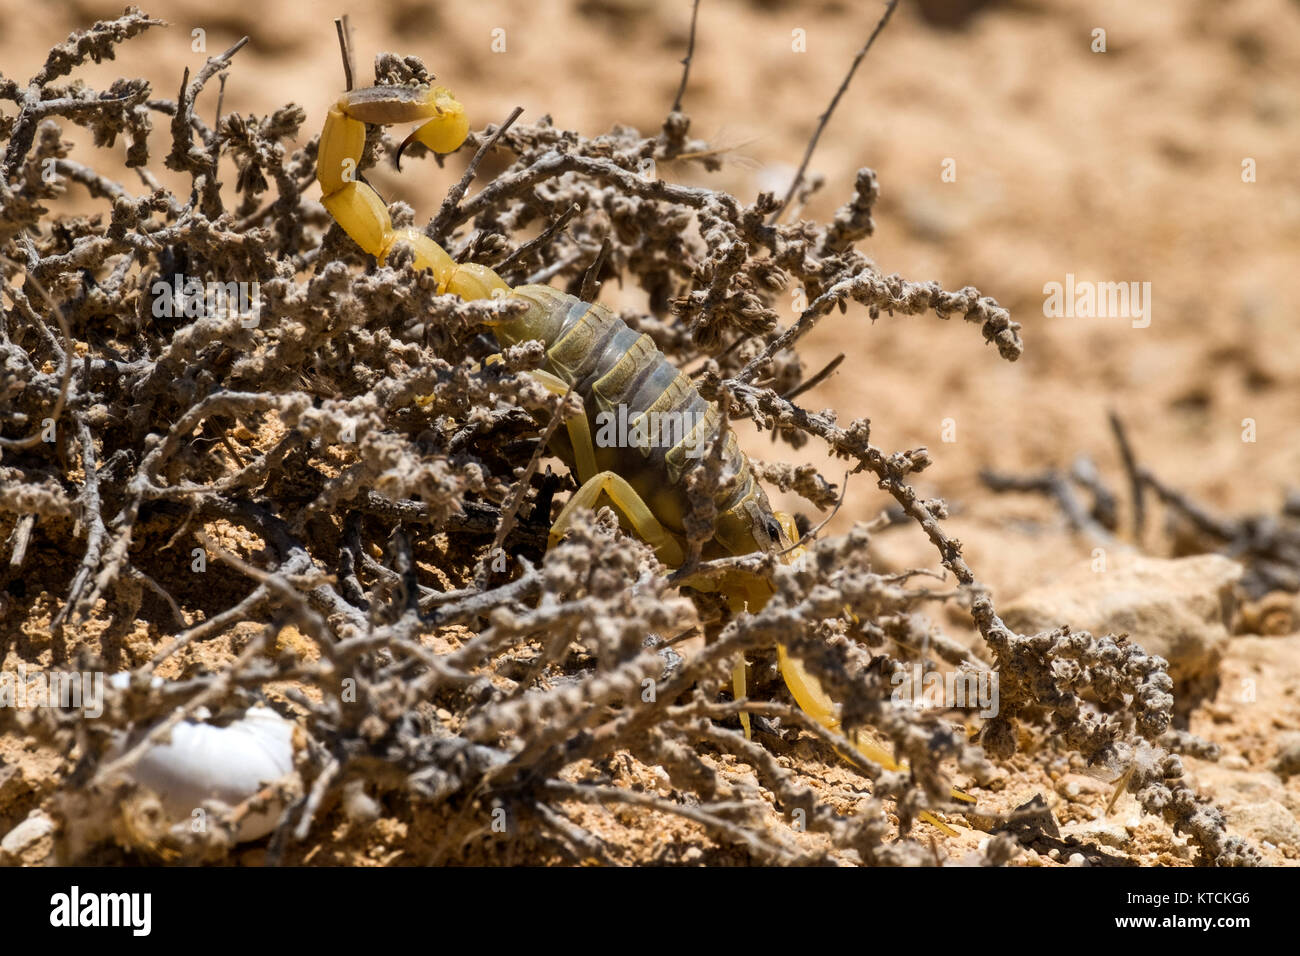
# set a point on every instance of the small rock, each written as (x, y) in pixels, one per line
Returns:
(663, 782)
(1234, 788)
(1079, 787)
(26, 834)
(1235, 762)
(1032, 819)
(359, 806)
(1098, 832)
(1076, 859)
(1274, 614)
(989, 776)
(1267, 821)
(1288, 754)
(1178, 609)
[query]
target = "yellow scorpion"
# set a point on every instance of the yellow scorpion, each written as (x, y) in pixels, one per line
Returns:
(614, 369)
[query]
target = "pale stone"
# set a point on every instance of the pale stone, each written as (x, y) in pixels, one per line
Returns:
(26, 834)
(1177, 609)
(1267, 821)
(1098, 832)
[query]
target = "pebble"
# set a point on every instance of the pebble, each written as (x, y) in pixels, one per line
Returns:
(26, 834)
(1099, 832)
(1288, 754)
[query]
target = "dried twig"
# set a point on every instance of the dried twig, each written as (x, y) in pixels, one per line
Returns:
(825, 117)
(686, 60)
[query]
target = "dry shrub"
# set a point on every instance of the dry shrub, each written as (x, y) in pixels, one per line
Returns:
(456, 662)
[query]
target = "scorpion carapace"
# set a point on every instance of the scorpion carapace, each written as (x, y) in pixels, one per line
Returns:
(643, 420)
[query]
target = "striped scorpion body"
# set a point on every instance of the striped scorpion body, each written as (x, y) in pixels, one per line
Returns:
(624, 381)
(644, 423)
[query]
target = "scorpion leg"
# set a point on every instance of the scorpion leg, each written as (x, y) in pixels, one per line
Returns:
(814, 702)
(638, 514)
(584, 449)
(739, 691)
(579, 429)
(739, 598)
(630, 504)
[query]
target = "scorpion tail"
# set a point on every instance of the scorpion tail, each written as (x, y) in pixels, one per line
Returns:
(815, 702)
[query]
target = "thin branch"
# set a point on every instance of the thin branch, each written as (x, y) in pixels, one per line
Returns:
(511, 508)
(66, 376)
(591, 278)
(457, 192)
(345, 50)
(825, 117)
(540, 240)
(1135, 479)
(811, 383)
(686, 61)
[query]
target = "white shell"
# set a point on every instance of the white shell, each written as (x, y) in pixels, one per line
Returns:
(229, 764)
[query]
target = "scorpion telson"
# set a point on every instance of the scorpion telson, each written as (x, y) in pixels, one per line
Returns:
(592, 351)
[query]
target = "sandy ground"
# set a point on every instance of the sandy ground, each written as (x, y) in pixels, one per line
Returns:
(1122, 166)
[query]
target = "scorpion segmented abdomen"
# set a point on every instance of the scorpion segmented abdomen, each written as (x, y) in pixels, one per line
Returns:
(613, 368)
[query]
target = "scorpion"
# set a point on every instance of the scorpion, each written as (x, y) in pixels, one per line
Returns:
(592, 352)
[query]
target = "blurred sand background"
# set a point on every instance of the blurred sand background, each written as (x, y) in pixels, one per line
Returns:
(1122, 166)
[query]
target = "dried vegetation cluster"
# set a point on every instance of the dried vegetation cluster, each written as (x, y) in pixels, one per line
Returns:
(365, 499)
